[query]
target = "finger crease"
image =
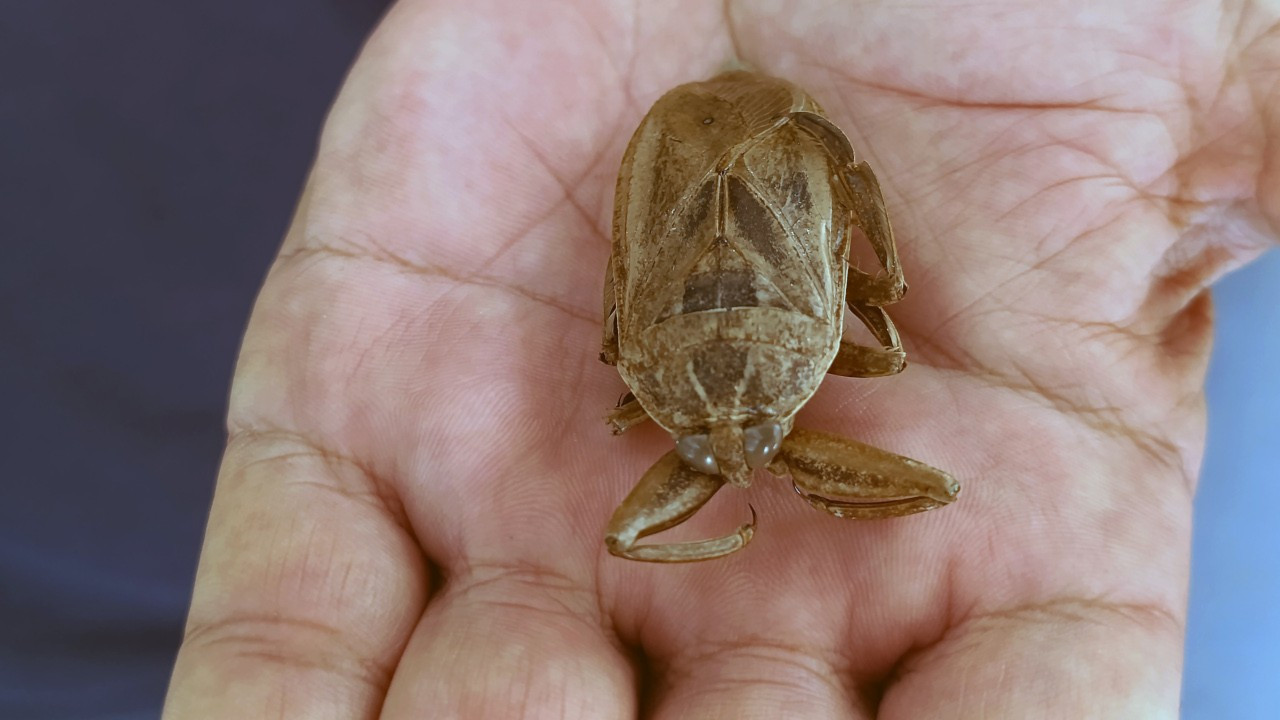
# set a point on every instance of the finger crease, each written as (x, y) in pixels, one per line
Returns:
(1148, 616)
(797, 661)
(376, 491)
(564, 596)
(291, 643)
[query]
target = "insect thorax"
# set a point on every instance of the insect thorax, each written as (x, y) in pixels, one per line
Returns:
(744, 365)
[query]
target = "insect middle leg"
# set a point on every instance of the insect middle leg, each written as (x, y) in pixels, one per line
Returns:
(609, 338)
(856, 360)
(626, 415)
(668, 494)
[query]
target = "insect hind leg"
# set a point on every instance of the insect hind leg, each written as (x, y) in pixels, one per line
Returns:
(887, 286)
(863, 197)
(857, 360)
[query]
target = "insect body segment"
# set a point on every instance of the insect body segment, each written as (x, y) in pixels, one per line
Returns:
(724, 304)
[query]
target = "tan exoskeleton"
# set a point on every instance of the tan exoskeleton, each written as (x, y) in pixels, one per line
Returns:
(724, 308)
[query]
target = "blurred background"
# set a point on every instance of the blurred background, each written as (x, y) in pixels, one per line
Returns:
(150, 156)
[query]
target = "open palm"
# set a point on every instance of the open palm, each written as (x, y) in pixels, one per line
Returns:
(409, 519)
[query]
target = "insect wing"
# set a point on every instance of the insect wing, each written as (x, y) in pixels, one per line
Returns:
(670, 201)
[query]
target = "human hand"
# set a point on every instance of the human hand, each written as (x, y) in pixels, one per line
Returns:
(409, 517)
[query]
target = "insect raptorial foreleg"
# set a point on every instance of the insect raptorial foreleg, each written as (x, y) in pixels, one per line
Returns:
(849, 479)
(668, 494)
(626, 415)
(855, 360)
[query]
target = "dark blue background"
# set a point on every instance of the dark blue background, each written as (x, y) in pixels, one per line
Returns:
(150, 155)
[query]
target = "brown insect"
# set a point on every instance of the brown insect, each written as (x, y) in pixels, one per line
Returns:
(724, 308)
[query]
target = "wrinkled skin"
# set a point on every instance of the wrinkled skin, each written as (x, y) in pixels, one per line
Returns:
(407, 520)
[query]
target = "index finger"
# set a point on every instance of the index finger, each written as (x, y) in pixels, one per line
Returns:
(308, 588)
(310, 579)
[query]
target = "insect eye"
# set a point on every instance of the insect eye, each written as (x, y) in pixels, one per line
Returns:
(695, 450)
(761, 442)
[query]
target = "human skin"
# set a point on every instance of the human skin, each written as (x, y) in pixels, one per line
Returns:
(408, 519)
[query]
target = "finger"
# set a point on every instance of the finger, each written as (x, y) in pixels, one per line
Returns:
(307, 590)
(756, 680)
(1069, 659)
(513, 641)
